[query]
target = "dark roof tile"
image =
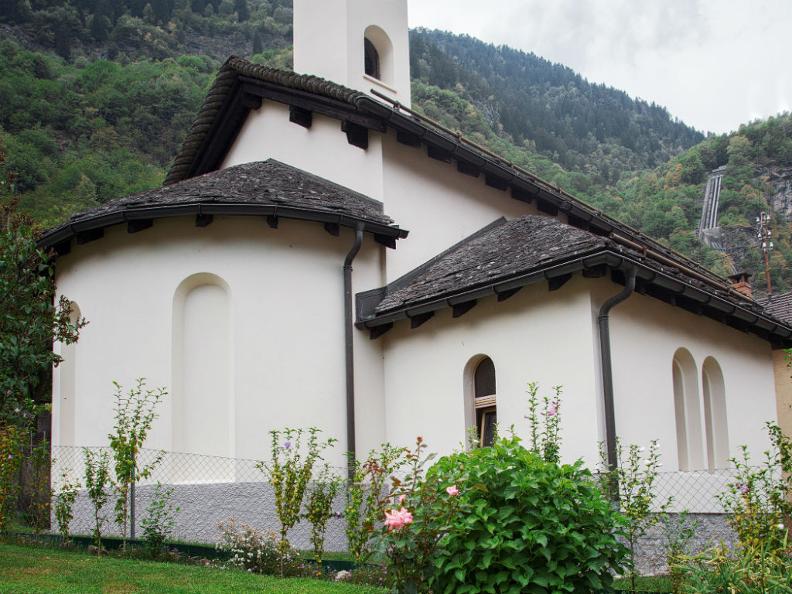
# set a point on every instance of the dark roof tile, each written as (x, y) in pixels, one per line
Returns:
(260, 184)
(498, 252)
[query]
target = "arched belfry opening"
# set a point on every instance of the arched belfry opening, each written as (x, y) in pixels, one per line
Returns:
(371, 59)
(361, 44)
(378, 55)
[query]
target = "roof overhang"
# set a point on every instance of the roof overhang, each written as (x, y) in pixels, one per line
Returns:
(138, 218)
(652, 281)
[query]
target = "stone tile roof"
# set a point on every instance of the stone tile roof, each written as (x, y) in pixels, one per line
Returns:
(237, 73)
(780, 306)
(264, 187)
(498, 252)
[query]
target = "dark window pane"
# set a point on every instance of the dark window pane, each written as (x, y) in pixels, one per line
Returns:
(485, 378)
(488, 420)
(371, 58)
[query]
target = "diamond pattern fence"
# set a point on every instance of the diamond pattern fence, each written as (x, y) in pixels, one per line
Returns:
(209, 490)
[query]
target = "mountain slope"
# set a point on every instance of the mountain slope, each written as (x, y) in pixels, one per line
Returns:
(582, 126)
(95, 98)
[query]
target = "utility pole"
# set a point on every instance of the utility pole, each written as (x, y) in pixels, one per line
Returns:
(764, 234)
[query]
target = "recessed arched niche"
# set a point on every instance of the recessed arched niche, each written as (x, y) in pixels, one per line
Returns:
(715, 419)
(687, 408)
(202, 399)
(68, 387)
(378, 55)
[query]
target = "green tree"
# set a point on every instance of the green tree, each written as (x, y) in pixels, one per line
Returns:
(32, 319)
(242, 10)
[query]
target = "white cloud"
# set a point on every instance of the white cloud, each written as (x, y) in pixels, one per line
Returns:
(714, 63)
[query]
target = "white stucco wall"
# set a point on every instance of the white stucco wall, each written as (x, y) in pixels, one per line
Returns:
(645, 334)
(285, 290)
(439, 205)
(321, 149)
(534, 336)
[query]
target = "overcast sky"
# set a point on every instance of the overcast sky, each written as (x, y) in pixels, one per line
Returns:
(713, 63)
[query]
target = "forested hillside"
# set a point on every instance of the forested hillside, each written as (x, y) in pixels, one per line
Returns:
(96, 96)
(550, 108)
(666, 202)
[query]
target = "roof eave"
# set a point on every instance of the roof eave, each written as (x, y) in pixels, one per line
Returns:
(102, 221)
(763, 326)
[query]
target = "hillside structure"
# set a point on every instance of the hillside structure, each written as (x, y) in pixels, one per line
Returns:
(321, 255)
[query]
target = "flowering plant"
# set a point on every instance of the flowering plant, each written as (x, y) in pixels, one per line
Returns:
(545, 425)
(521, 524)
(367, 498)
(255, 552)
(422, 508)
(290, 471)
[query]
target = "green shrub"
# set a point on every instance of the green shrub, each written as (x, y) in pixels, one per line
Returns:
(160, 520)
(525, 525)
(719, 570)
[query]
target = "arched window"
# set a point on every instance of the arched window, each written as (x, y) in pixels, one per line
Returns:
(203, 404)
(378, 54)
(687, 408)
(715, 424)
(67, 414)
(484, 401)
(372, 59)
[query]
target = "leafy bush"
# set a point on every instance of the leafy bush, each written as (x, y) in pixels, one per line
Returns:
(64, 505)
(98, 485)
(134, 413)
(632, 484)
(525, 525)
(255, 552)
(159, 521)
(758, 499)
(719, 570)
(319, 508)
(10, 450)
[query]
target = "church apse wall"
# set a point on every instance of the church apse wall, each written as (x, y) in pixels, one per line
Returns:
(242, 323)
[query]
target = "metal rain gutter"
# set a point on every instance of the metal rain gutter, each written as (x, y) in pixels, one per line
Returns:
(603, 321)
(349, 346)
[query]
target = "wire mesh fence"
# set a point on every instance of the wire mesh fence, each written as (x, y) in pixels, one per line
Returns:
(207, 490)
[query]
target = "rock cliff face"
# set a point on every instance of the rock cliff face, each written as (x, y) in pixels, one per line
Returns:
(779, 179)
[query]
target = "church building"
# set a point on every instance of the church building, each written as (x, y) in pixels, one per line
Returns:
(322, 255)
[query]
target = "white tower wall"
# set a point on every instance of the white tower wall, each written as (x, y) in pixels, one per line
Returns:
(329, 39)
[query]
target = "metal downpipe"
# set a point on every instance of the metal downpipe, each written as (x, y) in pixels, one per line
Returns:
(349, 346)
(603, 321)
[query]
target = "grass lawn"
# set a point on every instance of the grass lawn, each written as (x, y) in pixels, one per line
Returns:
(32, 570)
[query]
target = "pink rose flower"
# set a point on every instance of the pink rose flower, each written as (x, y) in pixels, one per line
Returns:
(402, 498)
(397, 519)
(452, 490)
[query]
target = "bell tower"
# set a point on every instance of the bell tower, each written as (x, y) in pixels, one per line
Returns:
(361, 44)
